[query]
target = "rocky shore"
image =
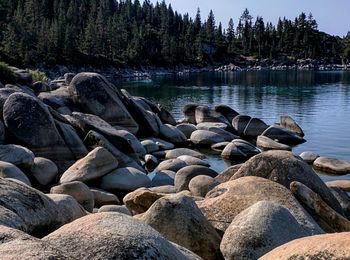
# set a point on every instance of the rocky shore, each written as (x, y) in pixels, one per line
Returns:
(88, 171)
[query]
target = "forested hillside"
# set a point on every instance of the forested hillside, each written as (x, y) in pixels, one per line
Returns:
(119, 33)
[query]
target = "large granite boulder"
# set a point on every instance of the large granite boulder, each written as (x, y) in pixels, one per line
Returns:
(10, 219)
(283, 135)
(327, 246)
(259, 229)
(228, 112)
(172, 134)
(179, 220)
(8, 170)
(239, 123)
(95, 95)
(17, 155)
(113, 236)
(208, 138)
(284, 167)
(226, 201)
(254, 128)
(239, 150)
(187, 129)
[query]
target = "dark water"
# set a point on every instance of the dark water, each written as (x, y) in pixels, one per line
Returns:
(318, 101)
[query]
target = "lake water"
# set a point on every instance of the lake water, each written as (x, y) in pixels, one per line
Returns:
(318, 101)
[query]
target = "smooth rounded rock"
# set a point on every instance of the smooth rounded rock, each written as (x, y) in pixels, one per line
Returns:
(10, 219)
(172, 134)
(228, 112)
(171, 165)
(115, 208)
(309, 157)
(8, 170)
(201, 185)
(239, 123)
(17, 155)
(208, 138)
(283, 136)
(102, 198)
(190, 160)
(189, 112)
(332, 165)
(227, 174)
(254, 128)
(44, 170)
(290, 124)
(239, 150)
(163, 178)
(266, 143)
(140, 200)
(175, 153)
(150, 146)
(187, 129)
(342, 184)
(205, 114)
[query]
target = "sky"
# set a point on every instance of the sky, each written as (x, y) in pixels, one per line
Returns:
(333, 16)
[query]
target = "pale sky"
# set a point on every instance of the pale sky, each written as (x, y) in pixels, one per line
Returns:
(333, 16)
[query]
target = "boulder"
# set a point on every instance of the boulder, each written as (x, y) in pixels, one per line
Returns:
(342, 184)
(102, 198)
(112, 236)
(68, 77)
(19, 245)
(184, 176)
(4, 94)
(165, 116)
(187, 129)
(140, 200)
(44, 170)
(125, 179)
(258, 230)
(10, 219)
(78, 191)
(150, 146)
(38, 131)
(201, 185)
(178, 218)
(327, 246)
(23, 77)
(222, 204)
(227, 112)
(284, 167)
(17, 155)
(208, 138)
(309, 157)
(163, 178)
(290, 124)
(8, 170)
(172, 134)
(57, 98)
(96, 164)
(95, 95)
(210, 125)
(239, 123)
(239, 150)
(68, 207)
(282, 135)
(166, 189)
(206, 114)
(267, 143)
(151, 162)
(37, 211)
(344, 200)
(2, 132)
(40, 86)
(22, 89)
(254, 128)
(115, 208)
(219, 147)
(226, 174)
(164, 145)
(189, 112)
(171, 165)
(190, 160)
(175, 153)
(332, 165)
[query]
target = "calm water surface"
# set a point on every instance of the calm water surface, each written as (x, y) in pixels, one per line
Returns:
(318, 101)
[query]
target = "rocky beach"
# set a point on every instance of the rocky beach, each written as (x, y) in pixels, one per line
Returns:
(88, 171)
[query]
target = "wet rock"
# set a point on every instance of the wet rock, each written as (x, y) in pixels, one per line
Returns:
(258, 230)
(227, 112)
(309, 157)
(8, 170)
(226, 201)
(44, 170)
(95, 95)
(239, 150)
(267, 143)
(239, 123)
(332, 165)
(78, 191)
(184, 176)
(125, 179)
(179, 220)
(201, 185)
(290, 124)
(163, 178)
(327, 246)
(102, 198)
(187, 129)
(284, 167)
(120, 236)
(96, 164)
(175, 153)
(171, 165)
(283, 136)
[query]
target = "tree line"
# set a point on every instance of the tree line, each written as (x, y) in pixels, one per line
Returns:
(128, 33)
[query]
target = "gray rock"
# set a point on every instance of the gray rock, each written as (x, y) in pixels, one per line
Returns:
(258, 230)
(290, 124)
(115, 208)
(44, 170)
(95, 95)
(208, 138)
(332, 165)
(267, 143)
(150, 146)
(96, 164)
(38, 212)
(175, 153)
(343, 199)
(68, 77)
(282, 135)
(283, 167)
(120, 236)
(2, 132)
(140, 200)
(190, 160)
(8, 170)
(4, 94)
(164, 145)
(219, 147)
(23, 77)
(167, 189)
(239, 150)
(125, 179)
(17, 155)
(171, 165)
(189, 111)
(179, 220)
(151, 162)
(56, 98)
(255, 127)
(201, 185)
(184, 176)
(342, 184)
(172, 134)
(226, 111)
(102, 198)
(210, 125)
(40, 86)
(309, 157)
(187, 129)
(10, 219)
(78, 191)
(165, 116)
(206, 114)
(163, 178)
(239, 123)
(227, 174)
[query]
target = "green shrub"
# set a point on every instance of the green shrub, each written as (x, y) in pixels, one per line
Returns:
(38, 75)
(7, 76)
